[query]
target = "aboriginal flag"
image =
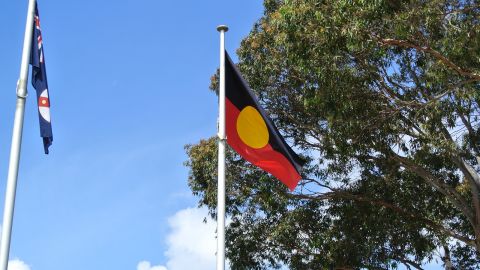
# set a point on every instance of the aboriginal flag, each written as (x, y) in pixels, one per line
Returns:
(39, 82)
(251, 133)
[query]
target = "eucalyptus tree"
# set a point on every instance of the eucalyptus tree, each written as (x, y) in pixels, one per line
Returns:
(382, 98)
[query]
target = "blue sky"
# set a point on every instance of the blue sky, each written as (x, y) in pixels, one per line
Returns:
(128, 82)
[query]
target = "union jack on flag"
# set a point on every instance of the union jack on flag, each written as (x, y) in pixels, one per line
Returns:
(39, 82)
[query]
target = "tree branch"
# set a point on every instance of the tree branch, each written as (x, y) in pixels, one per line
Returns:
(451, 90)
(409, 263)
(349, 196)
(454, 197)
(434, 53)
(471, 132)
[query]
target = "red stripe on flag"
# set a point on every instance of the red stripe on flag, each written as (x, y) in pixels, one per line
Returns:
(266, 158)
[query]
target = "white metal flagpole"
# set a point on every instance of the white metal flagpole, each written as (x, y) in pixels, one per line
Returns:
(16, 140)
(221, 156)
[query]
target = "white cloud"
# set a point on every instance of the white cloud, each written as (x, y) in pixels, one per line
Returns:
(144, 265)
(17, 264)
(191, 242)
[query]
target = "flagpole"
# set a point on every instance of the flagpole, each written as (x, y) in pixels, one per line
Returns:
(221, 156)
(16, 140)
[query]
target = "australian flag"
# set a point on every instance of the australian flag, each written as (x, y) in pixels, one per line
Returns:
(39, 82)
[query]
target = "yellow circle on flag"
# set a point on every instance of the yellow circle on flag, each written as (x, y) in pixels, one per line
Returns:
(251, 128)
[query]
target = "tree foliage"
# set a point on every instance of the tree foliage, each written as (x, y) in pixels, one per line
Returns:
(382, 97)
